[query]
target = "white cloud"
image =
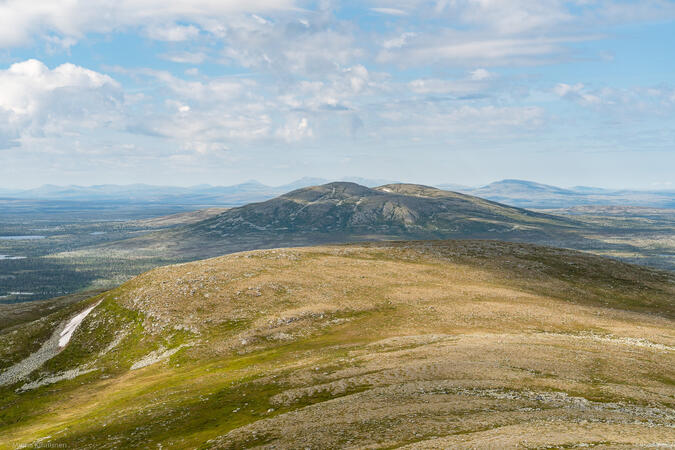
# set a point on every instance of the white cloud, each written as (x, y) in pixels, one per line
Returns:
(466, 49)
(527, 16)
(358, 77)
(290, 48)
(401, 121)
(295, 130)
(635, 102)
(476, 82)
(390, 11)
(514, 16)
(481, 74)
(21, 21)
(399, 41)
(178, 106)
(577, 93)
(206, 116)
(185, 57)
(172, 33)
(37, 101)
(507, 33)
(205, 129)
(494, 116)
(336, 92)
(204, 147)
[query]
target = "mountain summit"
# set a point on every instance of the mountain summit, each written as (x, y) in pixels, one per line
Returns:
(393, 208)
(344, 212)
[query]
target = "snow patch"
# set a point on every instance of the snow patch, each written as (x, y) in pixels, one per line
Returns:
(50, 348)
(75, 322)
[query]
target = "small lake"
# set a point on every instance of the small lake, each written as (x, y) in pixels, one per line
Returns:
(29, 237)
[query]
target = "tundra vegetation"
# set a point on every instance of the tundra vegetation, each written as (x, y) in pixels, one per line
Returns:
(425, 344)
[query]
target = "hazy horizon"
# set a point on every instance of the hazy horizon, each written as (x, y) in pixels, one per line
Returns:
(327, 180)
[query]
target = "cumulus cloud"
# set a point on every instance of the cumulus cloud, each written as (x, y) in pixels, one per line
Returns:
(295, 130)
(38, 101)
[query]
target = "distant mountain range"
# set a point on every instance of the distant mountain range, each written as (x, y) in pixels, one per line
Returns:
(234, 195)
(525, 194)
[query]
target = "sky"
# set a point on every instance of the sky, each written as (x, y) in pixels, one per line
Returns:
(468, 92)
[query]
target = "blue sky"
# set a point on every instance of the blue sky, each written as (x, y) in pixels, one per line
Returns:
(449, 91)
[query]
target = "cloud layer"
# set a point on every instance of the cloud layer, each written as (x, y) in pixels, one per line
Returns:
(209, 81)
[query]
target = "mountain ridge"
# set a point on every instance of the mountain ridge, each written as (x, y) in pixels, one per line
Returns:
(529, 194)
(514, 192)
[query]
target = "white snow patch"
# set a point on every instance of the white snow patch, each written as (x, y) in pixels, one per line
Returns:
(75, 322)
(50, 348)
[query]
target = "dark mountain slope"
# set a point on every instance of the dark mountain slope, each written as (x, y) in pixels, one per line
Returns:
(401, 210)
(341, 212)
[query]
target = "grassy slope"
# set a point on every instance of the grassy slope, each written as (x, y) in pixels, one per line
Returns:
(385, 345)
